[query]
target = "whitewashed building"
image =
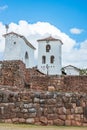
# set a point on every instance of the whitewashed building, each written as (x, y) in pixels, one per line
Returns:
(71, 70)
(49, 56)
(17, 47)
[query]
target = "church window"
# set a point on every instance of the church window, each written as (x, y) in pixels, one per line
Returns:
(43, 59)
(14, 42)
(48, 47)
(52, 59)
(26, 55)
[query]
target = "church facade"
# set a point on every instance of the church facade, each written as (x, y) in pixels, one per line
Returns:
(17, 47)
(49, 56)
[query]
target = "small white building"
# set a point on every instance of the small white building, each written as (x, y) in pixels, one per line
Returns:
(49, 56)
(17, 47)
(71, 70)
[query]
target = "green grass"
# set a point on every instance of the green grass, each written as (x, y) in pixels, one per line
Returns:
(39, 126)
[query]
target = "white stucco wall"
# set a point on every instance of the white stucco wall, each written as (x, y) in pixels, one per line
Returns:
(69, 70)
(12, 51)
(53, 68)
(17, 51)
(30, 51)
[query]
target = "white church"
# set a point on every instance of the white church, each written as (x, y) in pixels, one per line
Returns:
(17, 47)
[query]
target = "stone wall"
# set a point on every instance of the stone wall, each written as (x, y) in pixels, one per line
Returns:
(46, 82)
(12, 73)
(43, 108)
(28, 96)
(75, 84)
(60, 83)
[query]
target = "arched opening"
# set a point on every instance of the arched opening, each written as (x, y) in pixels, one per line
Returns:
(48, 47)
(43, 59)
(52, 59)
(26, 55)
(26, 59)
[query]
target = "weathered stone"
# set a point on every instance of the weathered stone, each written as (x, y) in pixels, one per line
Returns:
(50, 122)
(78, 103)
(58, 122)
(79, 110)
(24, 110)
(65, 99)
(32, 110)
(85, 120)
(25, 115)
(37, 94)
(26, 106)
(2, 110)
(49, 95)
(78, 123)
(30, 121)
(51, 101)
(42, 96)
(42, 101)
(1, 97)
(84, 124)
(32, 115)
(74, 105)
(20, 114)
(8, 121)
(15, 120)
(83, 104)
(40, 112)
(36, 100)
(62, 110)
(72, 111)
(52, 116)
(77, 117)
(68, 122)
(30, 105)
(51, 88)
(68, 111)
(43, 120)
(21, 120)
(85, 111)
(68, 105)
(73, 122)
(62, 117)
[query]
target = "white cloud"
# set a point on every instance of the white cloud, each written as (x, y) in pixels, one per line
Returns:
(39, 30)
(2, 40)
(3, 7)
(76, 31)
(33, 32)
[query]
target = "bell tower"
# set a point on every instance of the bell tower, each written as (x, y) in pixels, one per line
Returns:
(49, 56)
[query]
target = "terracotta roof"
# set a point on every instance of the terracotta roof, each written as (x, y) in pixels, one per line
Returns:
(26, 41)
(50, 38)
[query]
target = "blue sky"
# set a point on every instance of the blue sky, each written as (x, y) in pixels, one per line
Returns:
(64, 14)
(69, 16)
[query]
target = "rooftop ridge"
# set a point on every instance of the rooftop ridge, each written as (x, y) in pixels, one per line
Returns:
(21, 36)
(50, 38)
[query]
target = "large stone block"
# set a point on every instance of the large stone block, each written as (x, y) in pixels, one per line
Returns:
(68, 122)
(30, 121)
(58, 122)
(43, 120)
(79, 110)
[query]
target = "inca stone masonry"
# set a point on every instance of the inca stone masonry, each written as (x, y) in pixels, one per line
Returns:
(28, 96)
